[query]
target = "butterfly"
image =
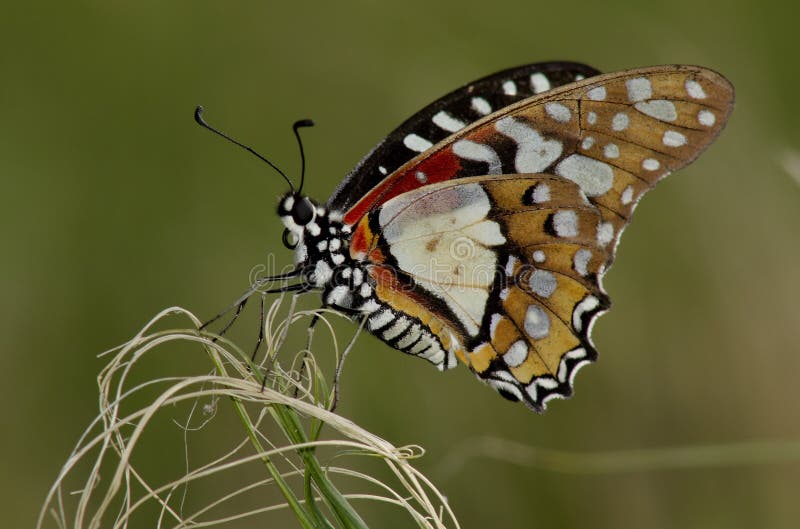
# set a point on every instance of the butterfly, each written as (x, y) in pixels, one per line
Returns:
(480, 229)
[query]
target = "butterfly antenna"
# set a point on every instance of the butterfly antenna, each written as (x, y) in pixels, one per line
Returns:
(295, 127)
(198, 117)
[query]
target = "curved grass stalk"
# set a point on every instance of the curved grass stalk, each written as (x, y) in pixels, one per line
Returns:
(285, 434)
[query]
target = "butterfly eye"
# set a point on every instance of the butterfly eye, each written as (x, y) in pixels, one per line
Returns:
(290, 240)
(303, 212)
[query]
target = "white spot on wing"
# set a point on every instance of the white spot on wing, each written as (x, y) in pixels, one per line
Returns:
(706, 118)
(660, 109)
(591, 118)
(587, 143)
(507, 387)
(558, 112)
(530, 389)
(673, 139)
(539, 83)
(478, 152)
(541, 193)
(575, 370)
(627, 196)
(510, 88)
(565, 223)
(651, 164)
(481, 106)
(495, 321)
(588, 304)
(534, 153)
(546, 383)
(542, 283)
(639, 89)
(510, 265)
(611, 151)
(417, 143)
(581, 261)
(597, 94)
(445, 121)
(620, 121)
(539, 256)
(580, 352)
(605, 232)
(516, 354)
(694, 89)
(593, 176)
(537, 322)
(504, 375)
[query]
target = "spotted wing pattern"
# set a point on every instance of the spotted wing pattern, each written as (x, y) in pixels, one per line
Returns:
(448, 114)
(543, 191)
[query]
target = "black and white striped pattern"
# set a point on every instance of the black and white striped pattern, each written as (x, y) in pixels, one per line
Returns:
(323, 253)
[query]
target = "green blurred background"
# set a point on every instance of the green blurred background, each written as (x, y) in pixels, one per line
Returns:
(117, 205)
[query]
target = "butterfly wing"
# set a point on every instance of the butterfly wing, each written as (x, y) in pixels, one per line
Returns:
(446, 115)
(560, 174)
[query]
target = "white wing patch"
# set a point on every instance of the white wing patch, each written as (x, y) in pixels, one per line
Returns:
(534, 153)
(441, 237)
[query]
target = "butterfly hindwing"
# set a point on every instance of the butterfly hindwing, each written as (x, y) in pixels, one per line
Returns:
(444, 116)
(511, 306)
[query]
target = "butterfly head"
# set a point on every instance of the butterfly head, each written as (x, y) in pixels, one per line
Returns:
(297, 212)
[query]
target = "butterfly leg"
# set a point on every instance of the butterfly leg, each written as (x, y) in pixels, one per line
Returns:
(261, 323)
(240, 303)
(301, 287)
(340, 364)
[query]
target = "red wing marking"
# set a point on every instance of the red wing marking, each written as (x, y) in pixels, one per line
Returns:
(440, 166)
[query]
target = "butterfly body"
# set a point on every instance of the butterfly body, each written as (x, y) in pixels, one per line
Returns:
(348, 281)
(480, 230)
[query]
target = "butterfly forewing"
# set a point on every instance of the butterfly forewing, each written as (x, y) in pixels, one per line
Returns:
(615, 135)
(506, 261)
(446, 115)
